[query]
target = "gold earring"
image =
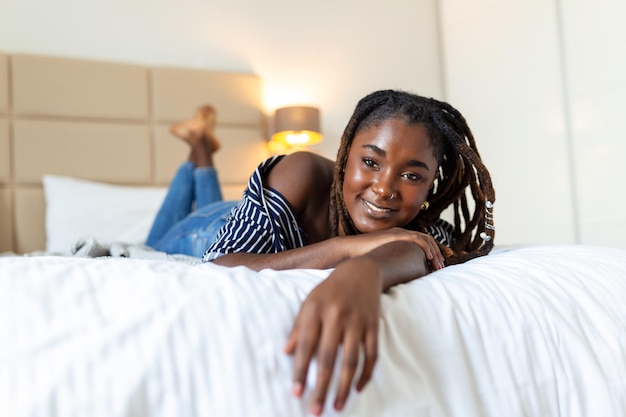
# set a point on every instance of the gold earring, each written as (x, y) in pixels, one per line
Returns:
(425, 206)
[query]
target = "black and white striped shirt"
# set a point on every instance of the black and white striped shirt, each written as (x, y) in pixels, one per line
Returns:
(263, 222)
(441, 232)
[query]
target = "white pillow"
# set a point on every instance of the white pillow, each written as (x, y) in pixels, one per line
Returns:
(77, 208)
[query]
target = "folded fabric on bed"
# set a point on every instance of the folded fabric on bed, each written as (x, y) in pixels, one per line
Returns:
(537, 331)
(90, 247)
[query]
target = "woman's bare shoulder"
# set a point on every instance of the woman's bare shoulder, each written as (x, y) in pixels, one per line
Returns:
(303, 165)
(312, 161)
(301, 175)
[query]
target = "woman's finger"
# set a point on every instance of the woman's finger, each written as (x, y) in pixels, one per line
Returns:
(433, 253)
(351, 343)
(290, 345)
(371, 354)
(306, 344)
(326, 355)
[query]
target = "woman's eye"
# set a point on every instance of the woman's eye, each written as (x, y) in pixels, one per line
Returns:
(369, 162)
(412, 177)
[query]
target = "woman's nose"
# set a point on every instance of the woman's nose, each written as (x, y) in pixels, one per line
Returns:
(383, 186)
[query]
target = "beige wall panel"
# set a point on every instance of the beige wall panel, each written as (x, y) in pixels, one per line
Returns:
(30, 214)
(5, 152)
(6, 219)
(178, 92)
(169, 153)
(78, 88)
(242, 150)
(117, 153)
(4, 84)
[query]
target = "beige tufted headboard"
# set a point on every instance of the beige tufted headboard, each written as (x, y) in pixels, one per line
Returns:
(108, 122)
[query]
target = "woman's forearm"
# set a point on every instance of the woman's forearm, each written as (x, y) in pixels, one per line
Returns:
(393, 263)
(396, 263)
(322, 255)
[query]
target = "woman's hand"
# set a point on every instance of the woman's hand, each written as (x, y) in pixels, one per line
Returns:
(365, 243)
(342, 310)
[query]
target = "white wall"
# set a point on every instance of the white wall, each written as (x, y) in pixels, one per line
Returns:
(326, 53)
(595, 62)
(541, 83)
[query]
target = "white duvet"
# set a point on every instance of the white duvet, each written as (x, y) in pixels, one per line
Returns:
(537, 331)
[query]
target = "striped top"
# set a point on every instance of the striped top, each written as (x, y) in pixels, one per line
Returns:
(264, 222)
(441, 232)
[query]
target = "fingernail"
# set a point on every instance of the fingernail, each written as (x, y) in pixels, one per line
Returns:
(316, 409)
(339, 405)
(297, 389)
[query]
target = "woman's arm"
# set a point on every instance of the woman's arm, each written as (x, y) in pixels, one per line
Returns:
(322, 255)
(343, 310)
(331, 252)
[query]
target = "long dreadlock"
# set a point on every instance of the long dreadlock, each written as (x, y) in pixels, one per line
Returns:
(461, 171)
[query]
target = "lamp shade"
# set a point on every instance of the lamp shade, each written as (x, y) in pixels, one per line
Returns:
(297, 126)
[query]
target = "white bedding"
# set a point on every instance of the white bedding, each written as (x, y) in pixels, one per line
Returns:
(536, 331)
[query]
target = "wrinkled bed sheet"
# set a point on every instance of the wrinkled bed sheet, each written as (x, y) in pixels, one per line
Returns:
(535, 331)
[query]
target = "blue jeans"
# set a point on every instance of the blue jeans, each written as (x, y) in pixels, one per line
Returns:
(192, 212)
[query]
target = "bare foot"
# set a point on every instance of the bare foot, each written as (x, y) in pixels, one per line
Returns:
(208, 114)
(199, 129)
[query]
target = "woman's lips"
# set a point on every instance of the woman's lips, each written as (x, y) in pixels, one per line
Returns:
(374, 209)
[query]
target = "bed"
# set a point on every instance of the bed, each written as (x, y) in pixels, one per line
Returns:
(525, 331)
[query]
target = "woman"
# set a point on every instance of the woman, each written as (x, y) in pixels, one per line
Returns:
(373, 216)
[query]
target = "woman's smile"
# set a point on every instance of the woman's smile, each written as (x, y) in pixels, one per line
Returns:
(376, 210)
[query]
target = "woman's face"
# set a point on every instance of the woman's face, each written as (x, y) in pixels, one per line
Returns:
(389, 171)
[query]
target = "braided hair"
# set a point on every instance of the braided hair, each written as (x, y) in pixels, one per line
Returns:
(461, 173)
